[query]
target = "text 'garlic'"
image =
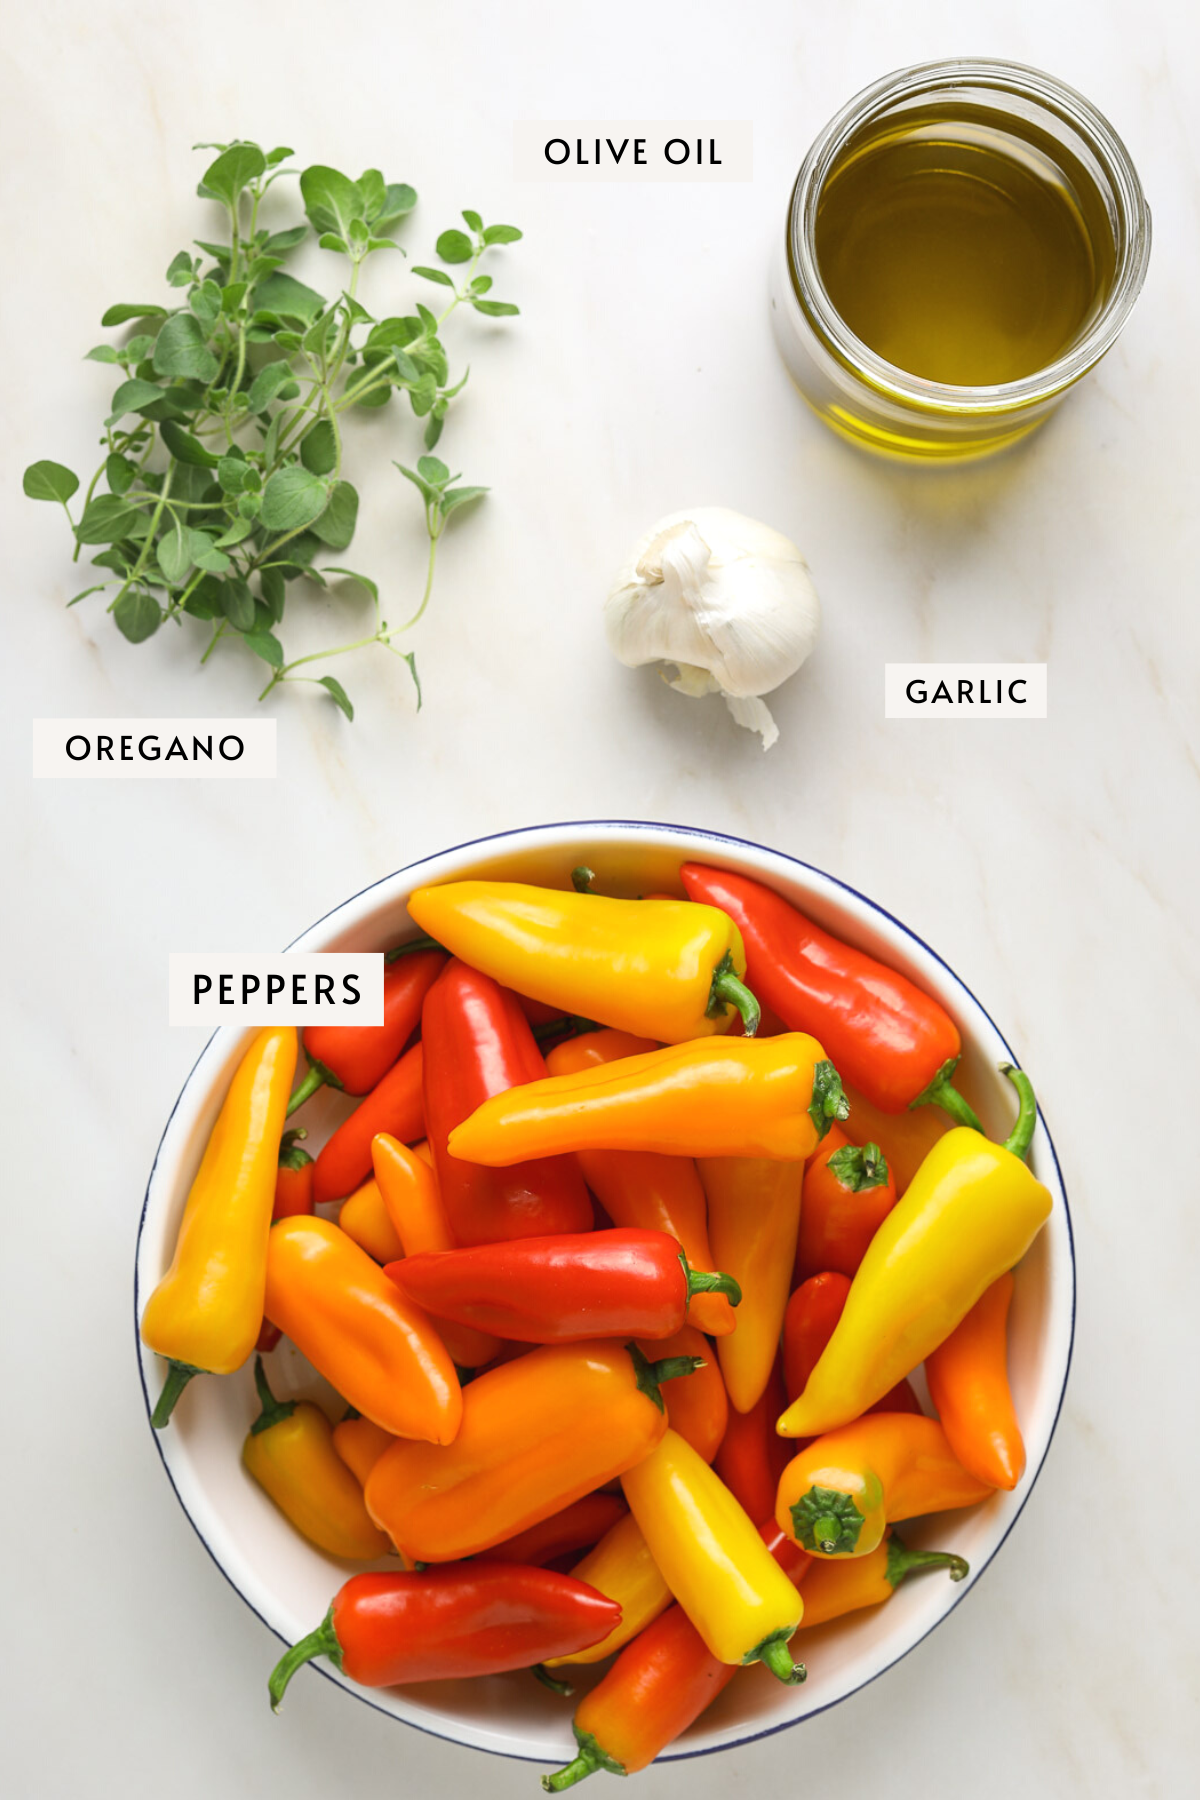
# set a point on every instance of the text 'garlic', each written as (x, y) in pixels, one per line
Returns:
(729, 601)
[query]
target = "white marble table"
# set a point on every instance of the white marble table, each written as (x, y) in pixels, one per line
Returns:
(1054, 865)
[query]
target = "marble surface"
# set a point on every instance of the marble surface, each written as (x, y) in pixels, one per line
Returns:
(1054, 865)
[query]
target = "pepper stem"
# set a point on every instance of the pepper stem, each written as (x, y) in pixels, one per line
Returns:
(857, 1170)
(942, 1092)
(710, 1281)
(178, 1376)
(291, 1156)
(315, 1079)
(827, 1521)
(590, 1758)
(582, 879)
(411, 948)
(829, 1100)
(1019, 1138)
(774, 1653)
(902, 1562)
(649, 1376)
(321, 1642)
(728, 989)
(541, 1673)
(274, 1411)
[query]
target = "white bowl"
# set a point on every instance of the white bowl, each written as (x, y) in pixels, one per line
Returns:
(289, 1583)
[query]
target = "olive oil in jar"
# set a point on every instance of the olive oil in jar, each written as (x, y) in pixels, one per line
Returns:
(968, 251)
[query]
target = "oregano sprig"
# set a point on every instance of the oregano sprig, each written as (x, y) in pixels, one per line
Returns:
(221, 480)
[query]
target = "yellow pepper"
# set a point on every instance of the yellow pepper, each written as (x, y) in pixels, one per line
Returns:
(207, 1311)
(771, 1097)
(713, 1558)
(290, 1453)
(621, 1568)
(754, 1216)
(665, 969)
(970, 1213)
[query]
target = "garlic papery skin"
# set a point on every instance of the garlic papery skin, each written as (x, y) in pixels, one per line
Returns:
(727, 600)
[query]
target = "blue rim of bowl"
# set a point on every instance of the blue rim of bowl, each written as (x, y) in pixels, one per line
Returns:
(714, 837)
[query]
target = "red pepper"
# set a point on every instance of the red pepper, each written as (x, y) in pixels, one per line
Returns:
(848, 1193)
(577, 1527)
(293, 1196)
(562, 1290)
(813, 1311)
(881, 1032)
(752, 1455)
(356, 1058)
(394, 1105)
(476, 1618)
(478, 1043)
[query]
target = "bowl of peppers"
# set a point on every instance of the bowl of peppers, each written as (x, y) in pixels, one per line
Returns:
(639, 1341)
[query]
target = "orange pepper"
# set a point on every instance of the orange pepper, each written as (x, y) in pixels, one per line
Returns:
(364, 1217)
(837, 1496)
(698, 1408)
(360, 1443)
(381, 1353)
(408, 1190)
(848, 1192)
(536, 1435)
(709, 1097)
(968, 1384)
(639, 1189)
(846, 1585)
(576, 1527)
(753, 1217)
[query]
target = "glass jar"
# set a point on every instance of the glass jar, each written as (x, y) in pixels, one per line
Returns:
(872, 401)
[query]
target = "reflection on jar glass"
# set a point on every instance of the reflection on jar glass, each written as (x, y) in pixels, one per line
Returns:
(964, 242)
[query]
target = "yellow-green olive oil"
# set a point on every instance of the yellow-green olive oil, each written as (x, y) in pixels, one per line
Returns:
(960, 250)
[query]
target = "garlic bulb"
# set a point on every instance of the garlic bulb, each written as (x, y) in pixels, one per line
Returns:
(729, 601)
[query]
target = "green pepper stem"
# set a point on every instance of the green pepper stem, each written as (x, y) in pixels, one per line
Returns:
(859, 1169)
(582, 879)
(541, 1673)
(776, 1656)
(411, 948)
(291, 1156)
(274, 1411)
(728, 989)
(710, 1281)
(902, 1562)
(649, 1376)
(1019, 1138)
(178, 1376)
(590, 1758)
(669, 1368)
(827, 1521)
(942, 1092)
(828, 1102)
(321, 1642)
(579, 1770)
(315, 1079)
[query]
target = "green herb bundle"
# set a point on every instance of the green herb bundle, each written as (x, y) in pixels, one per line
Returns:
(222, 475)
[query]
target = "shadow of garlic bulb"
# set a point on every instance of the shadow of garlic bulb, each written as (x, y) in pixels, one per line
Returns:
(725, 599)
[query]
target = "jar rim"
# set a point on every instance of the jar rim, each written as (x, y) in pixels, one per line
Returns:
(1132, 234)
